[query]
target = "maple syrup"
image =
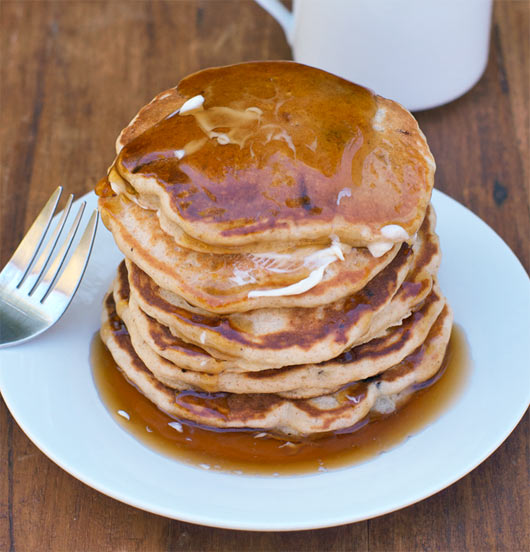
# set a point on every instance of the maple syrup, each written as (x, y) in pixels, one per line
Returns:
(253, 452)
(289, 138)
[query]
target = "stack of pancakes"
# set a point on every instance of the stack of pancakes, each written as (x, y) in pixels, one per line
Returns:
(280, 254)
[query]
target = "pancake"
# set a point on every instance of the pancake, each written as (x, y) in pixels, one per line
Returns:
(280, 252)
(114, 185)
(340, 410)
(285, 336)
(222, 283)
(302, 381)
(186, 355)
(276, 337)
(278, 153)
(191, 357)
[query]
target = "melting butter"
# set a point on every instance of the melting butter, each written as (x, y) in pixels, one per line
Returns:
(345, 192)
(115, 188)
(191, 104)
(241, 124)
(322, 259)
(295, 289)
(379, 117)
(378, 249)
(393, 234)
(242, 277)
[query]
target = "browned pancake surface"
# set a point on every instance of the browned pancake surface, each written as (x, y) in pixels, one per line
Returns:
(309, 154)
(335, 411)
(221, 283)
(277, 337)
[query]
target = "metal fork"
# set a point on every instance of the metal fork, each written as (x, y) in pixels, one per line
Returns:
(34, 290)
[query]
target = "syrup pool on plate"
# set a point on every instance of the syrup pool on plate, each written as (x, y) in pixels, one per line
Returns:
(254, 452)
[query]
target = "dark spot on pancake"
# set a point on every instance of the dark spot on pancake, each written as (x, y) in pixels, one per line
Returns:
(164, 339)
(306, 203)
(212, 212)
(123, 277)
(403, 131)
(500, 193)
(210, 195)
(247, 226)
(186, 192)
(329, 415)
(413, 289)
(303, 201)
(407, 365)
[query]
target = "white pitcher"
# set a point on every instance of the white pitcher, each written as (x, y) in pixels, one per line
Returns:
(421, 53)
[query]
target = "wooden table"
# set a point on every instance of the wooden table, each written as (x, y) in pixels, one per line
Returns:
(71, 76)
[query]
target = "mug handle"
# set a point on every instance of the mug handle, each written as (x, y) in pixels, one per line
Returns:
(284, 17)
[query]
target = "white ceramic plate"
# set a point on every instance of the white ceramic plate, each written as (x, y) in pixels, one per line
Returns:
(48, 387)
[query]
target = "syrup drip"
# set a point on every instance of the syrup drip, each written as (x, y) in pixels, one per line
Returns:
(255, 452)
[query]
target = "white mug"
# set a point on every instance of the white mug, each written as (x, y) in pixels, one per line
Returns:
(421, 53)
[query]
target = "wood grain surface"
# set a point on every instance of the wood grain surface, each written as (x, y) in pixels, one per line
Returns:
(72, 74)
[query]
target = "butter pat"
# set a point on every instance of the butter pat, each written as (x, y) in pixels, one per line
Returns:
(294, 289)
(377, 121)
(378, 249)
(345, 192)
(394, 232)
(192, 104)
(322, 259)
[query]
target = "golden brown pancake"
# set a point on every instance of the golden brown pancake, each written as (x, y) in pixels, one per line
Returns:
(285, 336)
(274, 336)
(222, 283)
(281, 258)
(303, 381)
(335, 411)
(278, 152)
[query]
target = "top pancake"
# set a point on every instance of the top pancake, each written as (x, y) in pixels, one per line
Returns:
(278, 152)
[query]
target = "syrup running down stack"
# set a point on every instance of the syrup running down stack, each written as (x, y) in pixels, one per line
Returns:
(280, 253)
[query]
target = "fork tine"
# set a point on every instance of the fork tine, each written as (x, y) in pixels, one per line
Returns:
(69, 281)
(39, 268)
(52, 273)
(28, 248)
